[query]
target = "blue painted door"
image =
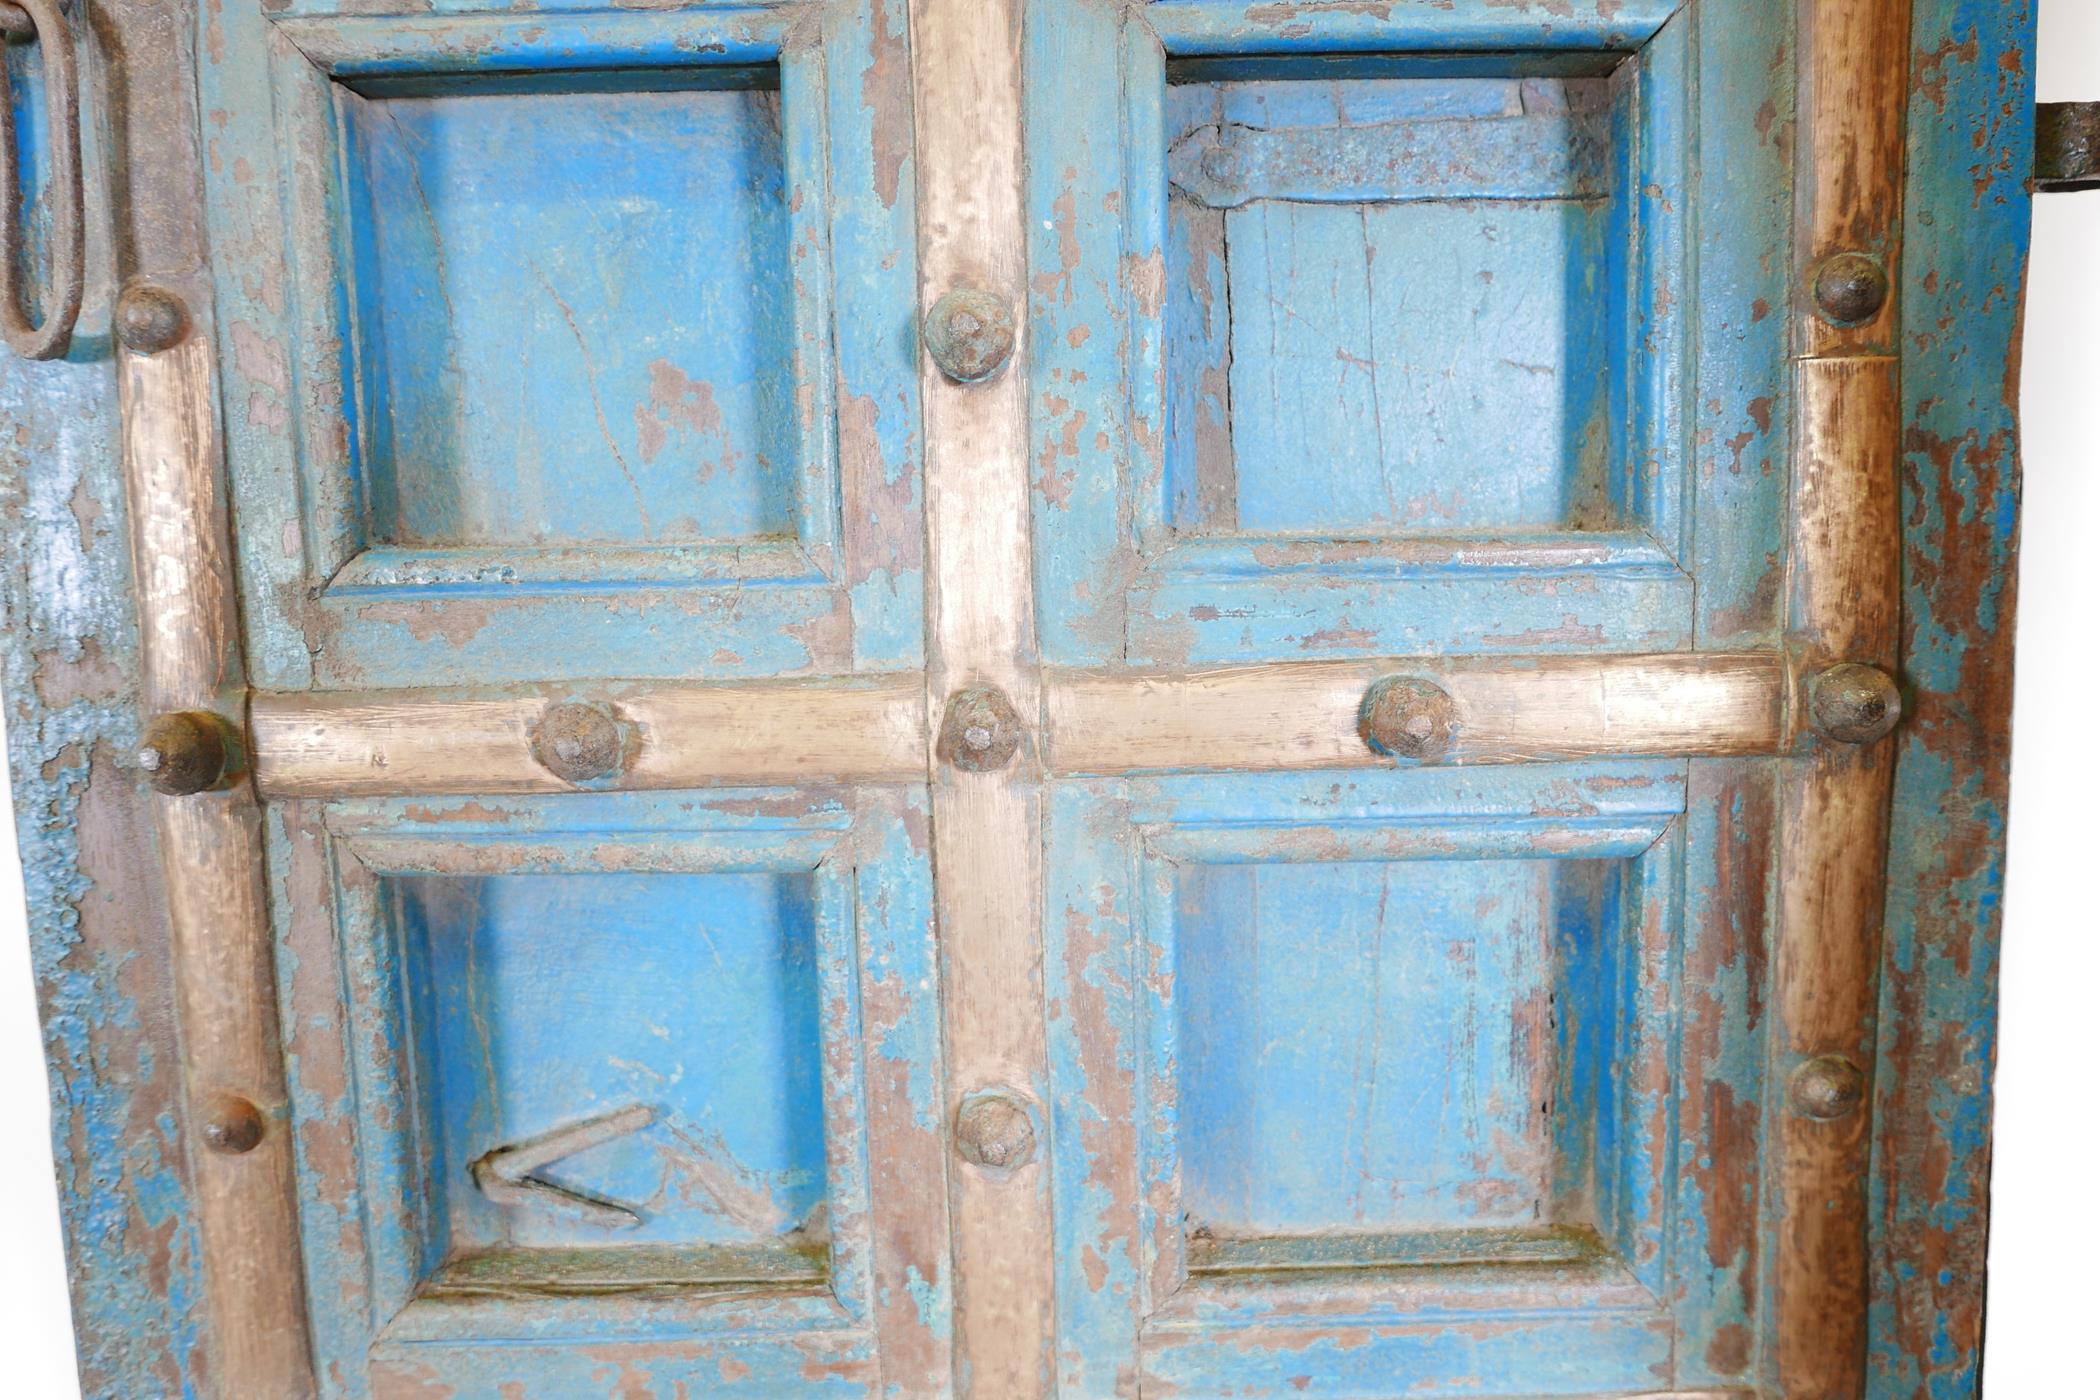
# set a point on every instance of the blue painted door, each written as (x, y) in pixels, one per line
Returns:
(562, 355)
(1328, 820)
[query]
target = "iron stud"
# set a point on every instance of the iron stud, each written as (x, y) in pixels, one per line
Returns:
(1409, 718)
(993, 1130)
(1854, 704)
(970, 334)
(1826, 1088)
(1850, 288)
(980, 732)
(150, 318)
(232, 1125)
(578, 743)
(186, 752)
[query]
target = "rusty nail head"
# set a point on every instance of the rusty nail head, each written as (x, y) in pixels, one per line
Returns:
(1850, 288)
(151, 318)
(1827, 1087)
(994, 1130)
(187, 752)
(1407, 717)
(1854, 704)
(981, 731)
(232, 1125)
(970, 334)
(578, 742)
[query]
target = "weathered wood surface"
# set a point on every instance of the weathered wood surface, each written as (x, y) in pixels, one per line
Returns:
(1844, 605)
(1304, 715)
(987, 840)
(405, 742)
(211, 861)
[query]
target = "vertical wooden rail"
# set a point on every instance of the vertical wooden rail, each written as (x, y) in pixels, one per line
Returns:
(987, 826)
(1844, 605)
(210, 844)
(212, 864)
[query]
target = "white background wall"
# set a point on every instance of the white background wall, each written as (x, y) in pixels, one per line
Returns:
(2043, 1230)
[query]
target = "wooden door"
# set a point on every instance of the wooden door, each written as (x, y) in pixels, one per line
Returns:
(1025, 697)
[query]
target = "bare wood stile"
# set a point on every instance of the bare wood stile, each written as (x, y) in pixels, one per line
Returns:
(212, 865)
(987, 827)
(1844, 607)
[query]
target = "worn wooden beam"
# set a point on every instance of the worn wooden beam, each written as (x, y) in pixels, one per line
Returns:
(412, 744)
(987, 824)
(1305, 714)
(211, 860)
(1844, 609)
(873, 729)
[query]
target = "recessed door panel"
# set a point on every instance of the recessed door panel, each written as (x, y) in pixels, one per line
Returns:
(1391, 305)
(687, 1002)
(576, 316)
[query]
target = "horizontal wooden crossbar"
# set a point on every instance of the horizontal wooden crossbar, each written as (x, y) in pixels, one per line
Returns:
(1292, 715)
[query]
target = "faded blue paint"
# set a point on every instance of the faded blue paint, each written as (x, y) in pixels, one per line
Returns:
(1965, 232)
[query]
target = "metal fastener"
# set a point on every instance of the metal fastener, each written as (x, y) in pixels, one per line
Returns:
(980, 732)
(1851, 288)
(1407, 717)
(2066, 145)
(189, 751)
(232, 1125)
(578, 742)
(970, 334)
(994, 1130)
(150, 318)
(1826, 1088)
(1854, 704)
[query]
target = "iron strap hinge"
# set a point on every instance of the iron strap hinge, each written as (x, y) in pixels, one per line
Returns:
(2066, 146)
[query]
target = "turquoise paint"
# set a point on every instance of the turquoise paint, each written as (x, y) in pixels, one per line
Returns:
(557, 352)
(1658, 1038)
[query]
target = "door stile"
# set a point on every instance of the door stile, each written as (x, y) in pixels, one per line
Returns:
(1844, 603)
(987, 815)
(207, 816)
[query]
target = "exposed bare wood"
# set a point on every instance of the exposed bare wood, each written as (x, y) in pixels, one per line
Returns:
(1834, 824)
(1304, 715)
(1855, 79)
(212, 863)
(986, 825)
(406, 743)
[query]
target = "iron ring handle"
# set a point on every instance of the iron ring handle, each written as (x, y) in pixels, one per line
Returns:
(28, 21)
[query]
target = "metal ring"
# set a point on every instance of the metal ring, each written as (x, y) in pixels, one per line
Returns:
(68, 251)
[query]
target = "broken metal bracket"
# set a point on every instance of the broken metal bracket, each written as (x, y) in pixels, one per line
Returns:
(2066, 146)
(505, 1174)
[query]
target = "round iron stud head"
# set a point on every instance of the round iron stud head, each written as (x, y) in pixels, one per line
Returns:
(1826, 1088)
(150, 318)
(970, 334)
(981, 732)
(232, 1125)
(1409, 718)
(1850, 288)
(994, 1130)
(579, 743)
(187, 752)
(1854, 704)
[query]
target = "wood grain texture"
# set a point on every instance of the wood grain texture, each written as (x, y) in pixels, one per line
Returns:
(1854, 80)
(1845, 599)
(211, 861)
(1304, 714)
(407, 743)
(987, 827)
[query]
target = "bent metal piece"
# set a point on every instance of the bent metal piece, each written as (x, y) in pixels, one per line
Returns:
(40, 22)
